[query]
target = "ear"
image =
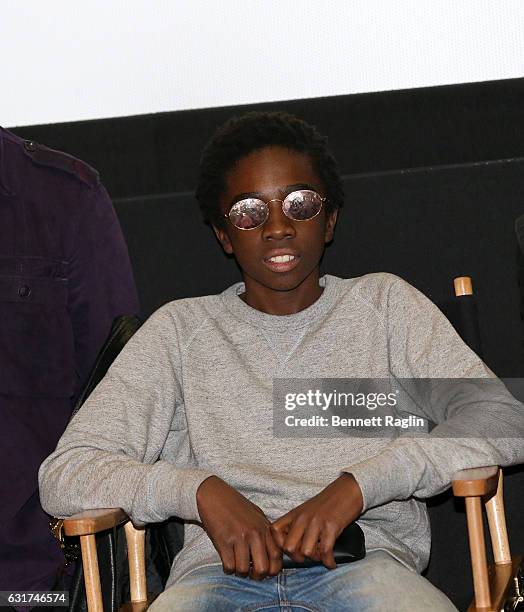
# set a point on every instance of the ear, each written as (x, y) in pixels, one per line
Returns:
(331, 221)
(223, 238)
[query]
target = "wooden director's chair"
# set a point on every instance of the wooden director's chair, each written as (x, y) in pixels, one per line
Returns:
(496, 587)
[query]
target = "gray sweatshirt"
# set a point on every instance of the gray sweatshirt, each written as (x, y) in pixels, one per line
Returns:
(191, 396)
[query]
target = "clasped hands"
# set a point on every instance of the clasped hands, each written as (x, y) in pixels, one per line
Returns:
(251, 546)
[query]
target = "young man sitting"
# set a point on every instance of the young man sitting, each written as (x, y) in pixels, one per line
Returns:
(183, 422)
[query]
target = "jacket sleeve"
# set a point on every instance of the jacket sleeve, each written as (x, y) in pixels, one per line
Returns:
(478, 422)
(107, 456)
(101, 284)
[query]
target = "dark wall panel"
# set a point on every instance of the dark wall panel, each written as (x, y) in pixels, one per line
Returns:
(154, 154)
(432, 226)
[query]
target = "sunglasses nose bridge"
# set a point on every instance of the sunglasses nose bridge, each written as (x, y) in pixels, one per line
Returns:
(277, 223)
(273, 210)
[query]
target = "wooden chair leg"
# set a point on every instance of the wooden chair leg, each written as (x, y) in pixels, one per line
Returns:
(91, 573)
(497, 525)
(478, 552)
(137, 570)
(494, 585)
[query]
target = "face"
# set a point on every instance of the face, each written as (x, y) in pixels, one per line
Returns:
(272, 173)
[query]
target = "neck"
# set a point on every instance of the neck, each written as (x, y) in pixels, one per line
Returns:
(282, 302)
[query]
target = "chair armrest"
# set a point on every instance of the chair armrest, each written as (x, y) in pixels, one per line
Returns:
(86, 524)
(92, 521)
(475, 482)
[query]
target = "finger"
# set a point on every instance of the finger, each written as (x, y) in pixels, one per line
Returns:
(242, 558)
(259, 566)
(310, 541)
(293, 541)
(283, 523)
(280, 529)
(274, 553)
(325, 546)
(227, 555)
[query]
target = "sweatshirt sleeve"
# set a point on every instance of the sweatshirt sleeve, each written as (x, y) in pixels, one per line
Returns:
(108, 455)
(476, 424)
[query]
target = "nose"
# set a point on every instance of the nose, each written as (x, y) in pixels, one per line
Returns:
(277, 225)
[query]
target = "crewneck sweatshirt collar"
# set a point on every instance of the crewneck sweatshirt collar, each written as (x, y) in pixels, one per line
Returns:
(305, 317)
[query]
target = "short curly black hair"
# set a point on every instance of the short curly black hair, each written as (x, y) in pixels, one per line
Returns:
(242, 135)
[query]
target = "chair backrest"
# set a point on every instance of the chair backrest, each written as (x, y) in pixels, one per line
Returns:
(122, 329)
(449, 566)
(462, 311)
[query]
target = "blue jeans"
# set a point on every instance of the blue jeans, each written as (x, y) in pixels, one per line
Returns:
(376, 583)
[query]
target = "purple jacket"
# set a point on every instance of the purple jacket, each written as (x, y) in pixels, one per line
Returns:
(64, 275)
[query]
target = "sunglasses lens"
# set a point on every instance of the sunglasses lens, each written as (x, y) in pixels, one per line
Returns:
(302, 205)
(248, 213)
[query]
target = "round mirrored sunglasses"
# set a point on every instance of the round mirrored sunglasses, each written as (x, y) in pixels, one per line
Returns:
(300, 205)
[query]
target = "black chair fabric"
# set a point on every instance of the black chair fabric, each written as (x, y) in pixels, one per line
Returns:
(462, 312)
(122, 329)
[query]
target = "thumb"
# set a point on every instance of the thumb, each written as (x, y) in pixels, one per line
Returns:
(280, 529)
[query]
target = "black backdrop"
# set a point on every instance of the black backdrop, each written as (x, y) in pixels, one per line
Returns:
(434, 181)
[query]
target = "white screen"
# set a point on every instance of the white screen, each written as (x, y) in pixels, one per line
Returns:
(66, 60)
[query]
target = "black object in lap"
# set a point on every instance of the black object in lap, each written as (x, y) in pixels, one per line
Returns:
(349, 546)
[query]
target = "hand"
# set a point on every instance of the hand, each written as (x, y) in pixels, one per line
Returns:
(239, 530)
(310, 530)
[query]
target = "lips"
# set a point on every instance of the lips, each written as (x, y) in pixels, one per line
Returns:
(281, 261)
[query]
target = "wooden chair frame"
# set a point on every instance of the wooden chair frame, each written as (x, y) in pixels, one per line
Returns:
(492, 585)
(86, 525)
